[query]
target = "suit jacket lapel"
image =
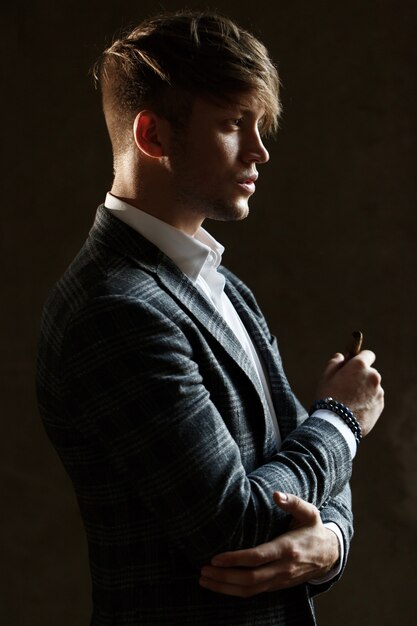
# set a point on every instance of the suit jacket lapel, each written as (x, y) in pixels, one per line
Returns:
(208, 318)
(111, 232)
(282, 396)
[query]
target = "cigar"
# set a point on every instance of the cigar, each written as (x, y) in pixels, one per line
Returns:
(355, 344)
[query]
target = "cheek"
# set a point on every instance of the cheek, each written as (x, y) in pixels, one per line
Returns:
(220, 153)
(211, 159)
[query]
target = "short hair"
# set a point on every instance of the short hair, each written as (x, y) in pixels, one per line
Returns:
(170, 58)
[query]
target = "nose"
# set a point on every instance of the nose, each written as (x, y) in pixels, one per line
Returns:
(255, 151)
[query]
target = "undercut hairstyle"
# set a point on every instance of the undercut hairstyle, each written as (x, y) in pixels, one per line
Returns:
(167, 60)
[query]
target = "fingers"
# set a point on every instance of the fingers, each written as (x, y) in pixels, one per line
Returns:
(275, 580)
(367, 357)
(230, 589)
(357, 384)
(251, 557)
(244, 577)
(303, 512)
(334, 364)
(245, 583)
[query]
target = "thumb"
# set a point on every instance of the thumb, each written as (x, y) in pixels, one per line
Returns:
(303, 512)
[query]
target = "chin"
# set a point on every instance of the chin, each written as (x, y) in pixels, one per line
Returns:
(231, 213)
(241, 212)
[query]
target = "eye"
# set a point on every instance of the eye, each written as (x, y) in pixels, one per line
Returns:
(238, 121)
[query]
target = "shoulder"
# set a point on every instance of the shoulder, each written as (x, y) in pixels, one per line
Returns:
(104, 294)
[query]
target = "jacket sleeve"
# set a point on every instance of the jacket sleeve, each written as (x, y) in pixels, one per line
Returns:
(337, 509)
(132, 384)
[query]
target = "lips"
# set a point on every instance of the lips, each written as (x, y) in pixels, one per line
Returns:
(248, 183)
(248, 180)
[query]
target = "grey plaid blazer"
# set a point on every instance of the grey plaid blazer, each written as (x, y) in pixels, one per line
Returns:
(160, 422)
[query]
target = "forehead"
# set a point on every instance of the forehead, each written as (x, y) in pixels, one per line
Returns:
(242, 103)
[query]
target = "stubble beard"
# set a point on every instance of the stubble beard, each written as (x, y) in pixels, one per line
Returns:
(223, 213)
(189, 197)
(210, 207)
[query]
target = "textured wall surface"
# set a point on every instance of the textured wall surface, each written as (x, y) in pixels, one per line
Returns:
(329, 247)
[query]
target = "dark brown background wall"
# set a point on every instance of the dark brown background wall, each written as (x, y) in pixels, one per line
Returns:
(329, 247)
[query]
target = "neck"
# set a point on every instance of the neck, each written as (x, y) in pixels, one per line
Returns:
(152, 194)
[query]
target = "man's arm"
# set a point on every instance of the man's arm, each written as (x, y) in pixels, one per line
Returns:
(293, 557)
(132, 382)
(307, 551)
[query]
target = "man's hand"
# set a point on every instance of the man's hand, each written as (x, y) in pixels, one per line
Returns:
(357, 385)
(308, 551)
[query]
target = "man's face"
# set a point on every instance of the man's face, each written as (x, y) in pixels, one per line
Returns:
(214, 158)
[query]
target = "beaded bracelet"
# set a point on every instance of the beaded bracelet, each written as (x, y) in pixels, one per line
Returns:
(342, 411)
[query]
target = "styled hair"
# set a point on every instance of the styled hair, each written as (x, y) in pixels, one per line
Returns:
(169, 59)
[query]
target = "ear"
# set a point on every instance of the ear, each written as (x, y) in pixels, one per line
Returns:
(148, 134)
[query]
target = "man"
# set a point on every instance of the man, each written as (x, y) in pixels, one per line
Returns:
(159, 382)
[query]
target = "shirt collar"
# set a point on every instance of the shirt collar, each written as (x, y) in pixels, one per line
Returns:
(190, 254)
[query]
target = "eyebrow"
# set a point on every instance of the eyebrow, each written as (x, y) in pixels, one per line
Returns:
(237, 102)
(243, 108)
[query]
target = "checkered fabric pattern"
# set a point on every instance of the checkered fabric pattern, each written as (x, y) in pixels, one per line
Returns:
(161, 424)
